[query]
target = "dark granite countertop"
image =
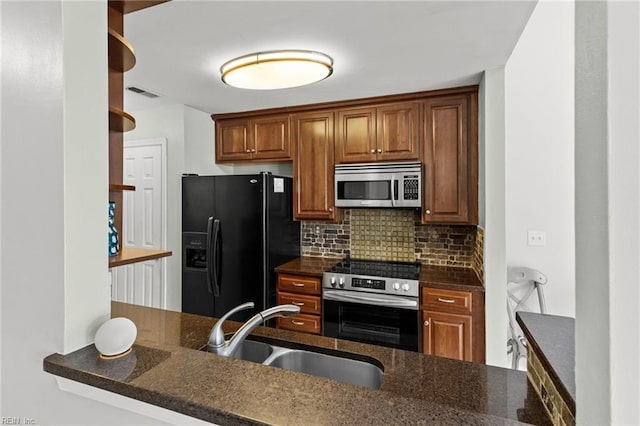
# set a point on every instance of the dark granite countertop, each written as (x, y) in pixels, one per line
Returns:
(447, 277)
(307, 265)
(553, 338)
(167, 369)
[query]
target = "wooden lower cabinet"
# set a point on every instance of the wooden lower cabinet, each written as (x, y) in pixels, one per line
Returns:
(453, 324)
(301, 322)
(305, 292)
(447, 335)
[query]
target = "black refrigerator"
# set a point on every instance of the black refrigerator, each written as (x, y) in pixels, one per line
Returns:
(235, 230)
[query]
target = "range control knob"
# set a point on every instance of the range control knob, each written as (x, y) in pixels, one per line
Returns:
(405, 287)
(341, 282)
(333, 281)
(396, 286)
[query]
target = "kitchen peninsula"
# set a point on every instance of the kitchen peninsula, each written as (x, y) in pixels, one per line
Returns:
(167, 369)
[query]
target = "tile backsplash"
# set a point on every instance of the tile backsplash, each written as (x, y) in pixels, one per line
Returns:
(395, 235)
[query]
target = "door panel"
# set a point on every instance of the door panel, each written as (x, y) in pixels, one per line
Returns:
(446, 161)
(271, 138)
(313, 166)
(356, 135)
(233, 140)
(239, 210)
(142, 283)
(398, 132)
(447, 335)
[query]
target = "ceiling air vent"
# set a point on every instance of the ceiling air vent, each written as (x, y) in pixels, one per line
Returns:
(142, 92)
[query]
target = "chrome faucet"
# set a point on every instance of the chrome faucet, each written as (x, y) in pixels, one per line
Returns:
(218, 345)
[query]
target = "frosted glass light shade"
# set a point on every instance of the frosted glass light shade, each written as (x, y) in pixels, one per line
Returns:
(277, 69)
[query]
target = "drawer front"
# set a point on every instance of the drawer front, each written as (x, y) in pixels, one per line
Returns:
(299, 284)
(301, 322)
(308, 304)
(446, 300)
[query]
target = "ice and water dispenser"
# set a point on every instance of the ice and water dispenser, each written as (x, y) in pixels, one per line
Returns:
(195, 250)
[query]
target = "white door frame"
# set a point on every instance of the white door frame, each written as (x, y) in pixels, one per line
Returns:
(162, 143)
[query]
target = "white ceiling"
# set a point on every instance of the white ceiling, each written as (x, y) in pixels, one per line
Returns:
(378, 47)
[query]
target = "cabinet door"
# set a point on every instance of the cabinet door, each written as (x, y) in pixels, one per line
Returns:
(447, 162)
(398, 132)
(313, 166)
(271, 138)
(233, 140)
(447, 335)
(356, 135)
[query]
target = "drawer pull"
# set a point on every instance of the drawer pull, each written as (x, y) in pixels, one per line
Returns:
(297, 322)
(297, 284)
(298, 303)
(440, 299)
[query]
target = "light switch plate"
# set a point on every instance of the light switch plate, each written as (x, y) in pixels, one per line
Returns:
(536, 238)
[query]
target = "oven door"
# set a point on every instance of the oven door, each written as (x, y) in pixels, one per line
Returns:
(390, 321)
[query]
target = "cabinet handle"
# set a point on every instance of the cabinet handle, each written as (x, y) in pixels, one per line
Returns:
(330, 209)
(248, 150)
(440, 299)
(426, 323)
(428, 212)
(373, 150)
(297, 322)
(298, 303)
(297, 284)
(253, 150)
(379, 150)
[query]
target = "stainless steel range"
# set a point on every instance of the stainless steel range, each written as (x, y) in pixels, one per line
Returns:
(372, 302)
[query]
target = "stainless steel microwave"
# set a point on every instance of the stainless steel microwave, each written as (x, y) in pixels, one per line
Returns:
(393, 185)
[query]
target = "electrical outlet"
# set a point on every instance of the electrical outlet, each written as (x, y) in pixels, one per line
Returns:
(536, 238)
(317, 229)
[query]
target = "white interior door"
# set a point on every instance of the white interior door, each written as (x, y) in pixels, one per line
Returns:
(143, 222)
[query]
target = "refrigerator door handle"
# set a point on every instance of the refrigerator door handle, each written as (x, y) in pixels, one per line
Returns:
(209, 255)
(217, 258)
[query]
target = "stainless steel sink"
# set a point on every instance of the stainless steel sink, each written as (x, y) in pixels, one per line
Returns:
(253, 351)
(338, 368)
(250, 350)
(341, 369)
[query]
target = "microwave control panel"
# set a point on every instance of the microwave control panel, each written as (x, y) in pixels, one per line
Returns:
(411, 187)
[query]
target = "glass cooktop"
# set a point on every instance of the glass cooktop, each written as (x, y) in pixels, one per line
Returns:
(375, 268)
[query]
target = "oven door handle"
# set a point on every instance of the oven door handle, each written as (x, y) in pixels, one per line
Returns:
(370, 299)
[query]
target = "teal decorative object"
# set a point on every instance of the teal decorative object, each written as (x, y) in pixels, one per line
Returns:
(114, 242)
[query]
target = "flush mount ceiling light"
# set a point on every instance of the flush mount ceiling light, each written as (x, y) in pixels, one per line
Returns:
(277, 69)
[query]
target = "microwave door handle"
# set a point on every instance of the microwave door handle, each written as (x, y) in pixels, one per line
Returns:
(393, 192)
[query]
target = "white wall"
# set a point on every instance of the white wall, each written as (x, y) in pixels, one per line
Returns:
(199, 151)
(539, 90)
(607, 213)
(492, 90)
(623, 101)
(54, 263)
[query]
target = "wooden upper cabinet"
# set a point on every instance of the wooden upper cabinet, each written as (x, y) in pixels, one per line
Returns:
(233, 140)
(398, 132)
(271, 138)
(383, 133)
(450, 160)
(356, 135)
(261, 138)
(313, 162)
